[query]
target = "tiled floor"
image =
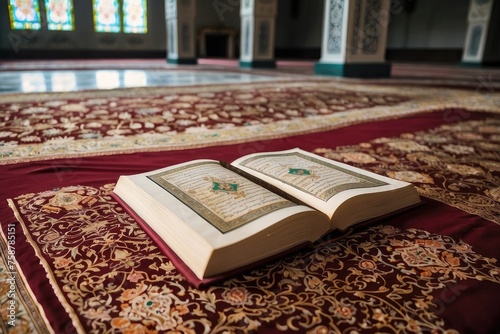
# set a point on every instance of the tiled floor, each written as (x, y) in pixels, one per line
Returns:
(74, 80)
(68, 75)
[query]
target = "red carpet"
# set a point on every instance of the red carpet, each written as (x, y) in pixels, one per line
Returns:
(314, 281)
(431, 269)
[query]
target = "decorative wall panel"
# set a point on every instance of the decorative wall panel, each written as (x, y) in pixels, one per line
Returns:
(336, 15)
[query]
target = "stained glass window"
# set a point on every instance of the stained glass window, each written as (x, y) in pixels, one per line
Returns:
(135, 16)
(60, 15)
(24, 14)
(106, 16)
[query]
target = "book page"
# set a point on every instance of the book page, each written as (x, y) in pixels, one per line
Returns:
(313, 176)
(223, 198)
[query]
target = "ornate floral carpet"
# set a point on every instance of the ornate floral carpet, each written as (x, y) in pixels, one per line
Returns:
(93, 270)
(458, 164)
(44, 126)
(111, 277)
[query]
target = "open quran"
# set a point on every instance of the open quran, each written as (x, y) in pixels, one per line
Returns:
(213, 218)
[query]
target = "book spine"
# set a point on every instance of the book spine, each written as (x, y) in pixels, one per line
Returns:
(263, 184)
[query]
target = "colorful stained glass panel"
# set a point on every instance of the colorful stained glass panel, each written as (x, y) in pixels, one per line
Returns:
(106, 16)
(135, 16)
(60, 15)
(24, 14)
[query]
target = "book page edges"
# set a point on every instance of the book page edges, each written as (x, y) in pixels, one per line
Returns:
(385, 208)
(195, 224)
(164, 220)
(330, 206)
(197, 282)
(176, 261)
(184, 270)
(128, 191)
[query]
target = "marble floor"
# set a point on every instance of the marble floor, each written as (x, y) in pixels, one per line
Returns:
(68, 75)
(32, 81)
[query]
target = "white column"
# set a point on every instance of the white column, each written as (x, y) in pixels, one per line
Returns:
(481, 42)
(181, 44)
(354, 38)
(257, 33)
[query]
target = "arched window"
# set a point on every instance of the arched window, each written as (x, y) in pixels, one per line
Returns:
(24, 14)
(108, 16)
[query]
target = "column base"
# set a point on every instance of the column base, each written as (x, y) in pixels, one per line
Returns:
(478, 64)
(258, 64)
(470, 64)
(182, 61)
(357, 70)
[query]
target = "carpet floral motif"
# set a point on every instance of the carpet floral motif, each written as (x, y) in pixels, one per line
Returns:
(42, 126)
(113, 279)
(456, 163)
(47, 125)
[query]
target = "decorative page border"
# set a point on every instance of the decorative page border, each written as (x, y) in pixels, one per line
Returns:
(204, 211)
(365, 181)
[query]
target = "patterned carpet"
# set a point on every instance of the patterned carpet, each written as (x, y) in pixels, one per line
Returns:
(93, 270)
(458, 164)
(76, 124)
(111, 277)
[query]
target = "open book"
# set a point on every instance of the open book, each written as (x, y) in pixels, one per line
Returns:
(217, 218)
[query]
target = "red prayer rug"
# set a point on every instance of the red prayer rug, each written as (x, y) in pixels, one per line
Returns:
(19, 310)
(77, 124)
(110, 276)
(458, 164)
(419, 271)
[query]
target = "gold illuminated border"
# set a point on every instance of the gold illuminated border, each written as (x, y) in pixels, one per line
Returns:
(364, 180)
(204, 211)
